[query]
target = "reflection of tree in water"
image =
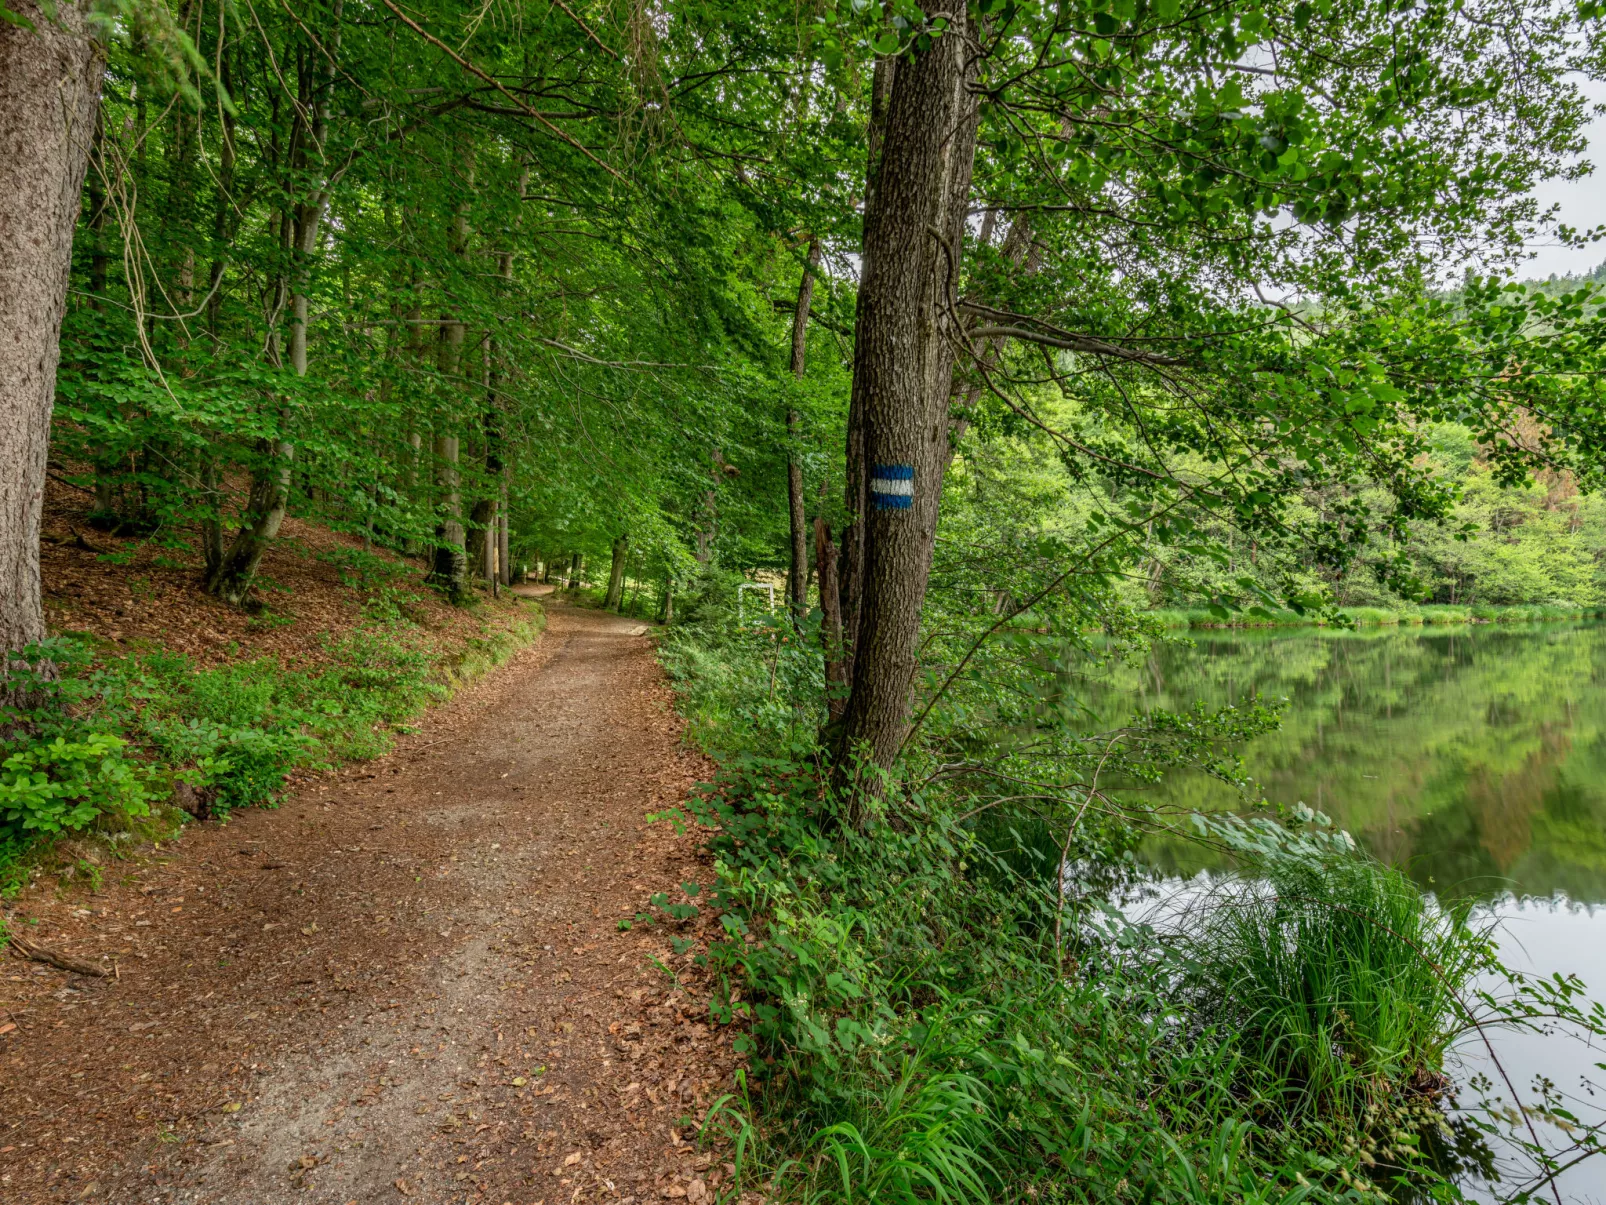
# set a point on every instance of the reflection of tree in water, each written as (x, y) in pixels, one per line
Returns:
(1476, 759)
(1503, 805)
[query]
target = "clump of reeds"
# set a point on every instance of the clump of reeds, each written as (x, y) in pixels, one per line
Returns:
(1337, 979)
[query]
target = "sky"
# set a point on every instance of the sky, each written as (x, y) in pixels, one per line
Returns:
(1583, 205)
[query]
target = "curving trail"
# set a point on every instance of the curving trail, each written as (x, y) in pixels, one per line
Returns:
(405, 984)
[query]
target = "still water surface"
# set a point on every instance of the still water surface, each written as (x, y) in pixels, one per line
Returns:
(1473, 758)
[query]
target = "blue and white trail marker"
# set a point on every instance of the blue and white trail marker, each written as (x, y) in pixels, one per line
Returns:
(892, 486)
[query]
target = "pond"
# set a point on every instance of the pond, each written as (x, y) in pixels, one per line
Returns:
(1473, 758)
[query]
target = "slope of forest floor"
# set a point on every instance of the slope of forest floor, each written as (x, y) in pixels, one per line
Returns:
(407, 982)
(130, 594)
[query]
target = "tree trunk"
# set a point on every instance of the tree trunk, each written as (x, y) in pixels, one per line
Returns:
(635, 589)
(270, 480)
(49, 92)
(480, 543)
(503, 564)
(855, 487)
(212, 517)
(574, 571)
(264, 515)
(902, 372)
(708, 536)
(836, 669)
(797, 579)
(309, 213)
(449, 571)
(666, 609)
(616, 574)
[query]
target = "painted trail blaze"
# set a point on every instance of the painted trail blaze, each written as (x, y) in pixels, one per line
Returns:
(892, 486)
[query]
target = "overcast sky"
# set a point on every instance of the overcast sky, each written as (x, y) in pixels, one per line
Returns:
(1583, 205)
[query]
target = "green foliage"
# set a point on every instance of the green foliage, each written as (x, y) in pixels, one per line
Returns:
(938, 1018)
(1338, 979)
(101, 741)
(62, 786)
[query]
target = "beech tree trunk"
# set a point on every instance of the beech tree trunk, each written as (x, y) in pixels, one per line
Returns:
(49, 93)
(265, 509)
(836, 668)
(666, 610)
(450, 570)
(450, 567)
(269, 500)
(503, 565)
(902, 374)
(616, 574)
(797, 580)
(480, 541)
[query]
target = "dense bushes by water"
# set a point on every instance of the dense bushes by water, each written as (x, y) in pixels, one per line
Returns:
(938, 1014)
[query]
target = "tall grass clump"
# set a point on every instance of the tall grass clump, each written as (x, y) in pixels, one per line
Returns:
(1341, 983)
(1171, 617)
(1362, 617)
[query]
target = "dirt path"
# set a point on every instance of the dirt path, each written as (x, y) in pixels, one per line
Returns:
(406, 984)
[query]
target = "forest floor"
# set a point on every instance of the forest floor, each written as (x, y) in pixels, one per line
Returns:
(406, 983)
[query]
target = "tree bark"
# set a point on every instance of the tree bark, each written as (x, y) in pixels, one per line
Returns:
(264, 514)
(480, 541)
(269, 499)
(836, 669)
(616, 574)
(49, 93)
(309, 213)
(902, 372)
(797, 588)
(450, 567)
(855, 488)
(503, 564)
(666, 610)
(707, 537)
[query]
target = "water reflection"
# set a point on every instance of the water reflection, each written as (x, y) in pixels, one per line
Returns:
(1472, 758)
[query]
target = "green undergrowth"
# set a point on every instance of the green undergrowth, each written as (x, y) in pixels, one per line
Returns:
(1363, 617)
(105, 746)
(936, 1014)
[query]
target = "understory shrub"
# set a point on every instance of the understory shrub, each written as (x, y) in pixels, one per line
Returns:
(944, 1005)
(90, 743)
(61, 785)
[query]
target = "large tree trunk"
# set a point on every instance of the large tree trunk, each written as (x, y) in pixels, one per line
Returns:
(49, 91)
(616, 574)
(902, 371)
(797, 580)
(855, 488)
